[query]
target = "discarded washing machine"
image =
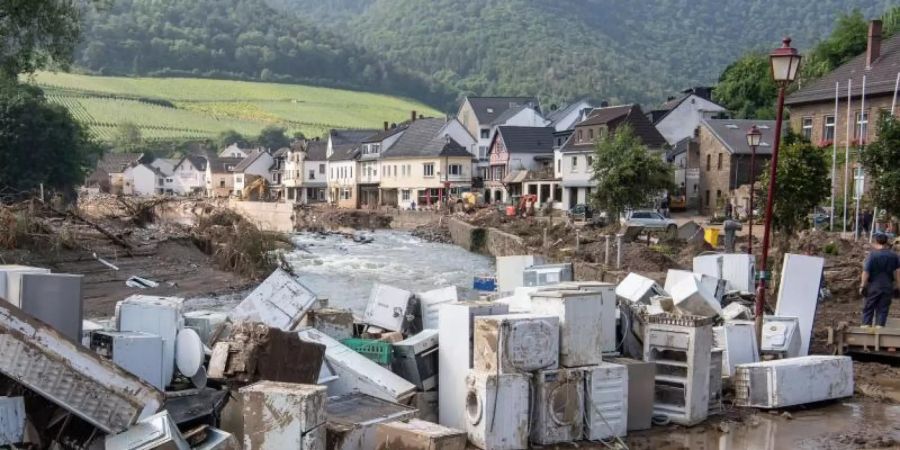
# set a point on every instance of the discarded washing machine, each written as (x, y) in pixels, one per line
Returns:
(781, 336)
(547, 274)
(430, 303)
(605, 401)
(641, 381)
(793, 381)
(283, 415)
(715, 286)
(608, 308)
(161, 316)
(416, 359)
(737, 338)
(206, 323)
(390, 308)
(558, 411)
(280, 301)
(638, 289)
(581, 322)
(681, 347)
(496, 410)
(516, 343)
(141, 354)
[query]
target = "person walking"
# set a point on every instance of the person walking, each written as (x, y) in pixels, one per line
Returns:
(880, 281)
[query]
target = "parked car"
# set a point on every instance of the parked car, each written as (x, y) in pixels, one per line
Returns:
(650, 220)
(584, 212)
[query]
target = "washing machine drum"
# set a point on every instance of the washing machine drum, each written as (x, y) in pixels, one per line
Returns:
(474, 407)
(528, 344)
(562, 402)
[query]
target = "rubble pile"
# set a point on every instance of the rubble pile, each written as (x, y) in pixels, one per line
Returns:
(542, 360)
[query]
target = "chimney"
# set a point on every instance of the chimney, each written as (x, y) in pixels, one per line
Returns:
(873, 50)
(385, 125)
(413, 117)
(604, 104)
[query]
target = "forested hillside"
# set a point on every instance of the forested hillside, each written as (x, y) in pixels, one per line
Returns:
(438, 50)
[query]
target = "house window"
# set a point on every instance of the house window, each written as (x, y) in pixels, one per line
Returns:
(590, 160)
(332, 173)
(719, 162)
(708, 162)
(455, 169)
(221, 183)
(229, 167)
(559, 165)
(312, 174)
(498, 172)
(239, 180)
(574, 163)
(346, 193)
(806, 129)
(828, 132)
(485, 133)
(482, 152)
(862, 126)
(707, 197)
(321, 168)
(591, 134)
(404, 195)
(428, 169)
(161, 180)
(579, 136)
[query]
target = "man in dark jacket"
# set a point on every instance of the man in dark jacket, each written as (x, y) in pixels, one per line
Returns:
(880, 281)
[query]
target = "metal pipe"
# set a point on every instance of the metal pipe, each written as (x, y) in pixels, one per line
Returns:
(862, 143)
(770, 201)
(752, 194)
(619, 251)
(834, 150)
(847, 151)
(606, 259)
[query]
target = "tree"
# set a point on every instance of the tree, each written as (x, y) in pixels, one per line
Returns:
(127, 137)
(746, 87)
(626, 173)
(880, 159)
(40, 142)
(803, 183)
(228, 137)
(298, 136)
(273, 137)
(847, 40)
(34, 33)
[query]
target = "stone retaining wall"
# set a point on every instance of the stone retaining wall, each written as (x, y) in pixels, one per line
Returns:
(488, 241)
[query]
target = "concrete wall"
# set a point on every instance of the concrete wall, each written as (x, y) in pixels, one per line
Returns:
(489, 241)
(409, 220)
(276, 217)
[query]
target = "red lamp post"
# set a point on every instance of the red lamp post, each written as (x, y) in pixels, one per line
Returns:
(754, 136)
(784, 62)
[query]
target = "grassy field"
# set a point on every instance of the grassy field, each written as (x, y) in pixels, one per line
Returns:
(167, 108)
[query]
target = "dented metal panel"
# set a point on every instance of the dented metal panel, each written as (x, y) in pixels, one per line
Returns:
(418, 435)
(71, 376)
(278, 415)
(356, 373)
(581, 319)
(280, 301)
(352, 420)
(517, 343)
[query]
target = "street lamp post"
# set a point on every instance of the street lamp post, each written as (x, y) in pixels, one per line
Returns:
(754, 136)
(784, 62)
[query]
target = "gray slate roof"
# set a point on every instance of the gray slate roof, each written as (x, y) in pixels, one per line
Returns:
(384, 134)
(218, 165)
(732, 133)
(350, 136)
(118, 162)
(316, 150)
(423, 139)
(880, 78)
(250, 159)
(488, 109)
(344, 152)
(527, 139)
(559, 114)
(613, 116)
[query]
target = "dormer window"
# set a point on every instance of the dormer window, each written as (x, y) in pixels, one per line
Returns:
(490, 110)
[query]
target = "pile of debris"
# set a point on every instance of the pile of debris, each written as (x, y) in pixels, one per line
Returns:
(236, 244)
(541, 360)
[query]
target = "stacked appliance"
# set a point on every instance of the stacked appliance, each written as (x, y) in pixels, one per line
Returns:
(681, 347)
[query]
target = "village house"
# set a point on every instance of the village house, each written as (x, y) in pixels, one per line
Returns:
(479, 115)
(290, 163)
(721, 158)
(342, 149)
(233, 151)
(368, 164)
(519, 154)
(573, 162)
(426, 165)
(253, 175)
(812, 108)
(681, 116)
(142, 180)
(315, 175)
(220, 176)
(190, 175)
(109, 175)
(565, 119)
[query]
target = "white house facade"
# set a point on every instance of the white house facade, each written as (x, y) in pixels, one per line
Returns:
(681, 121)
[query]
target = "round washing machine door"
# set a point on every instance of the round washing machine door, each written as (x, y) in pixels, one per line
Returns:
(563, 404)
(474, 407)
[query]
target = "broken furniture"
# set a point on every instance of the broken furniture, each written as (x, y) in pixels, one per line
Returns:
(496, 410)
(681, 347)
(280, 301)
(557, 413)
(71, 376)
(516, 343)
(283, 416)
(606, 403)
(352, 420)
(418, 435)
(356, 373)
(794, 381)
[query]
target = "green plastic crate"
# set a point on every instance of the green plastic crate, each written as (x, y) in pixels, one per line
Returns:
(379, 351)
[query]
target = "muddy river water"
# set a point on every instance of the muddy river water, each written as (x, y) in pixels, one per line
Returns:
(344, 271)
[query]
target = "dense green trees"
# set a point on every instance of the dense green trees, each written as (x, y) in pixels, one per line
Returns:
(746, 87)
(273, 138)
(881, 160)
(627, 175)
(803, 183)
(35, 33)
(40, 142)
